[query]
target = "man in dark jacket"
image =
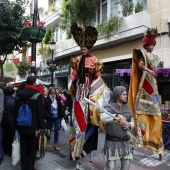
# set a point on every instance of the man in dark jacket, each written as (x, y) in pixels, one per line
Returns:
(28, 139)
(8, 120)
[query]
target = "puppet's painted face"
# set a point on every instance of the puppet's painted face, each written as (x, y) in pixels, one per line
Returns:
(149, 48)
(84, 50)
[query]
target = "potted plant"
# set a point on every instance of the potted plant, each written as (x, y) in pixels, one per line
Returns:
(23, 67)
(34, 34)
(52, 67)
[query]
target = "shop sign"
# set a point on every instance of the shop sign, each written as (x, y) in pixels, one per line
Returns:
(62, 70)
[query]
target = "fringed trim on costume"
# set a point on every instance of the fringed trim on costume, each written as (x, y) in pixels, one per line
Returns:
(118, 153)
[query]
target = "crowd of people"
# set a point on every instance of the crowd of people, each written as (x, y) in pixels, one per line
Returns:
(48, 106)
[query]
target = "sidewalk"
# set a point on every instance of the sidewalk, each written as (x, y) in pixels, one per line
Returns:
(143, 160)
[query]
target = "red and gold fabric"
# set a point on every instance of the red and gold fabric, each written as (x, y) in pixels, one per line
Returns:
(91, 62)
(97, 95)
(80, 112)
(143, 100)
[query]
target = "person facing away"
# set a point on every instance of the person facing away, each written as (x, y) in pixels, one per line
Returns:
(1, 109)
(117, 146)
(8, 120)
(28, 140)
(143, 94)
(2, 86)
(52, 105)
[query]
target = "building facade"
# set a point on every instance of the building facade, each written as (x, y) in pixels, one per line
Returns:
(115, 50)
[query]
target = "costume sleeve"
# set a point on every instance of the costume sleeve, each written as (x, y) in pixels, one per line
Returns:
(106, 118)
(74, 64)
(99, 67)
(157, 60)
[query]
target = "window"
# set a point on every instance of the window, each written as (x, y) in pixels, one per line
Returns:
(59, 35)
(93, 20)
(98, 16)
(114, 9)
(104, 12)
(56, 35)
(144, 4)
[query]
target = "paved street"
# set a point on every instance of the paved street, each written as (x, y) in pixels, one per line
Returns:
(143, 160)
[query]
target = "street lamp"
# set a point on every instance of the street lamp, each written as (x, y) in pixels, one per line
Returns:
(52, 48)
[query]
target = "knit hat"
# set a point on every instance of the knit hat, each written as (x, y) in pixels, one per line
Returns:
(117, 92)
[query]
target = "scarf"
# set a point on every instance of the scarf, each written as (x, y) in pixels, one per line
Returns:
(54, 108)
(81, 71)
(30, 86)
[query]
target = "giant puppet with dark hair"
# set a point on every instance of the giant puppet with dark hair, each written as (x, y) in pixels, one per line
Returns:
(143, 94)
(87, 82)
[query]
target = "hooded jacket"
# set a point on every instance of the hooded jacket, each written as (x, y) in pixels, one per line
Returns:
(37, 109)
(8, 120)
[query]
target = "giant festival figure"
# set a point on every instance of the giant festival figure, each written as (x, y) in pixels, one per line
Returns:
(85, 81)
(143, 95)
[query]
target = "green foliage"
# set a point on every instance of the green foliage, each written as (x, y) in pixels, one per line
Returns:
(23, 67)
(68, 35)
(44, 50)
(52, 67)
(112, 24)
(47, 37)
(11, 19)
(79, 11)
(138, 8)
(127, 6)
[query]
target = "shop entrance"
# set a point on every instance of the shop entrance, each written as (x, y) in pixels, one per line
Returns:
(110, 76)
(62, 82)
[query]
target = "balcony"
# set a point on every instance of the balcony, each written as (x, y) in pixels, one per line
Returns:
(52, 18)
(132, 28)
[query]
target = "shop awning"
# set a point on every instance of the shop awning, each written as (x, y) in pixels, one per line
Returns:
(165, 72)
(122, 72)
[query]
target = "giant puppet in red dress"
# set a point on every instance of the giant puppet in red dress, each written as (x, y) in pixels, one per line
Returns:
(87, 82)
